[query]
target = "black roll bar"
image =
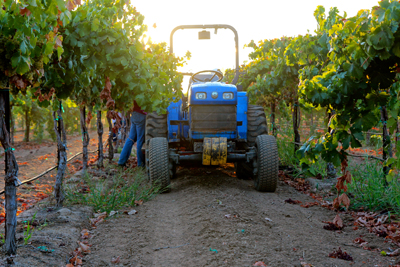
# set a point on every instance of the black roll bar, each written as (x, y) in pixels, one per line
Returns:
(211, 26)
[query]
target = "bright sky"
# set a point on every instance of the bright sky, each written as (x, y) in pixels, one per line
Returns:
(253, 19)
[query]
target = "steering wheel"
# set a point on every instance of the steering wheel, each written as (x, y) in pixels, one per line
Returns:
(216, 73)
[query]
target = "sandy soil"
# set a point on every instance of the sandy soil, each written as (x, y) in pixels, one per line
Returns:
(213, 219)
(209, 219)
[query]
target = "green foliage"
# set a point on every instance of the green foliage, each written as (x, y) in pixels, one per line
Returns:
(28, 37)
(104, 40)
(369, 190)
(29, 230)
(123, 190)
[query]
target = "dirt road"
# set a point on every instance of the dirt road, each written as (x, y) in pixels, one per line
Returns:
(213, 219)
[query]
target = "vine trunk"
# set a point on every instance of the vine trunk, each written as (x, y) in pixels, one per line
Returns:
(11, 180)
(85, 138)
(100, 134)
(62, 157)
(110, 139)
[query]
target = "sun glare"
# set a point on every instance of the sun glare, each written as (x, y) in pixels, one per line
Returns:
(254, 20)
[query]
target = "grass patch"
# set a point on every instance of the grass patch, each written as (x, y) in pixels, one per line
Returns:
(288, 158)
(368, 189)
(119, 190)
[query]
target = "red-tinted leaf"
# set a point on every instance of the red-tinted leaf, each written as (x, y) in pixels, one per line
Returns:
(291, 201)
(338, 221)
(25, 11)
(115, 260)
(344, 199)
(344, 165)
(348, 177)
(340, 183)
(58, 41)
(259, 263)
(108, 84)
(70, 5)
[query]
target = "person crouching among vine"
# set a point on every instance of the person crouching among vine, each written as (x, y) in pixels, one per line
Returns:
(136, 134)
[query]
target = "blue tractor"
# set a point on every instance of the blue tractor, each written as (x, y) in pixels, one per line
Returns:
(213, 125)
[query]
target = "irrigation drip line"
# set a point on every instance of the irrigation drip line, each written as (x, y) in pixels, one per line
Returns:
(364, 156)
(49, 170)
(349, 154)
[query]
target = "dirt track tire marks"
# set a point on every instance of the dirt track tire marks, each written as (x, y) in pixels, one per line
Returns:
(195, 213)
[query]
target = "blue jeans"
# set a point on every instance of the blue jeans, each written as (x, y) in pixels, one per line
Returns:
(136, 134)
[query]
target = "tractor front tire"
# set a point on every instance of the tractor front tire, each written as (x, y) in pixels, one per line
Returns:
(156, 126)
(256, 124)
(159, 171)
(266, 164)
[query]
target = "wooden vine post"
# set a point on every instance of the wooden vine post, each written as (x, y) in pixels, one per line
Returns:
(273, 114)
(11, 178)
(296, 124)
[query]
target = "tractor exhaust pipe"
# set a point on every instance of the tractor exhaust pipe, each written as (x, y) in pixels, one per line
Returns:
(211, 26)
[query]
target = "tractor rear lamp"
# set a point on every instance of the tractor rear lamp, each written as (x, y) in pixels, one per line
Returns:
(227, 95)
(201, 95)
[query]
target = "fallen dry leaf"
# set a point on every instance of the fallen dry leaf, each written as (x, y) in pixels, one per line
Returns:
(259, 263)
(116, 260)
(291, 201)
(85, 234)
(339, 254)
(358, 240)
(76, 260)
(139, 202)
(132, 212)
(103, 215)
(83, 247)
(338, 221)
(394, 253)
(112, 213)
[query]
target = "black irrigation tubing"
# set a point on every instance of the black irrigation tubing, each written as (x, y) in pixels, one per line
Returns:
(47, 171)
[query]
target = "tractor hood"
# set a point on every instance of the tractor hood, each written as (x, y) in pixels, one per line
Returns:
(212, 93)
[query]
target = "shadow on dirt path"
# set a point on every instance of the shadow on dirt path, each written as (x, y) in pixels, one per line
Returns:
(213, 219)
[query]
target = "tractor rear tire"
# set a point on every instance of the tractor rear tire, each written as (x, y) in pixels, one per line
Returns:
(159, 171)
(266, 164)
(156, 126)
(256, 124)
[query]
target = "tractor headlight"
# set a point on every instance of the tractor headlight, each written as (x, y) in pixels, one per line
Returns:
(227, 95)
(201, 95)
